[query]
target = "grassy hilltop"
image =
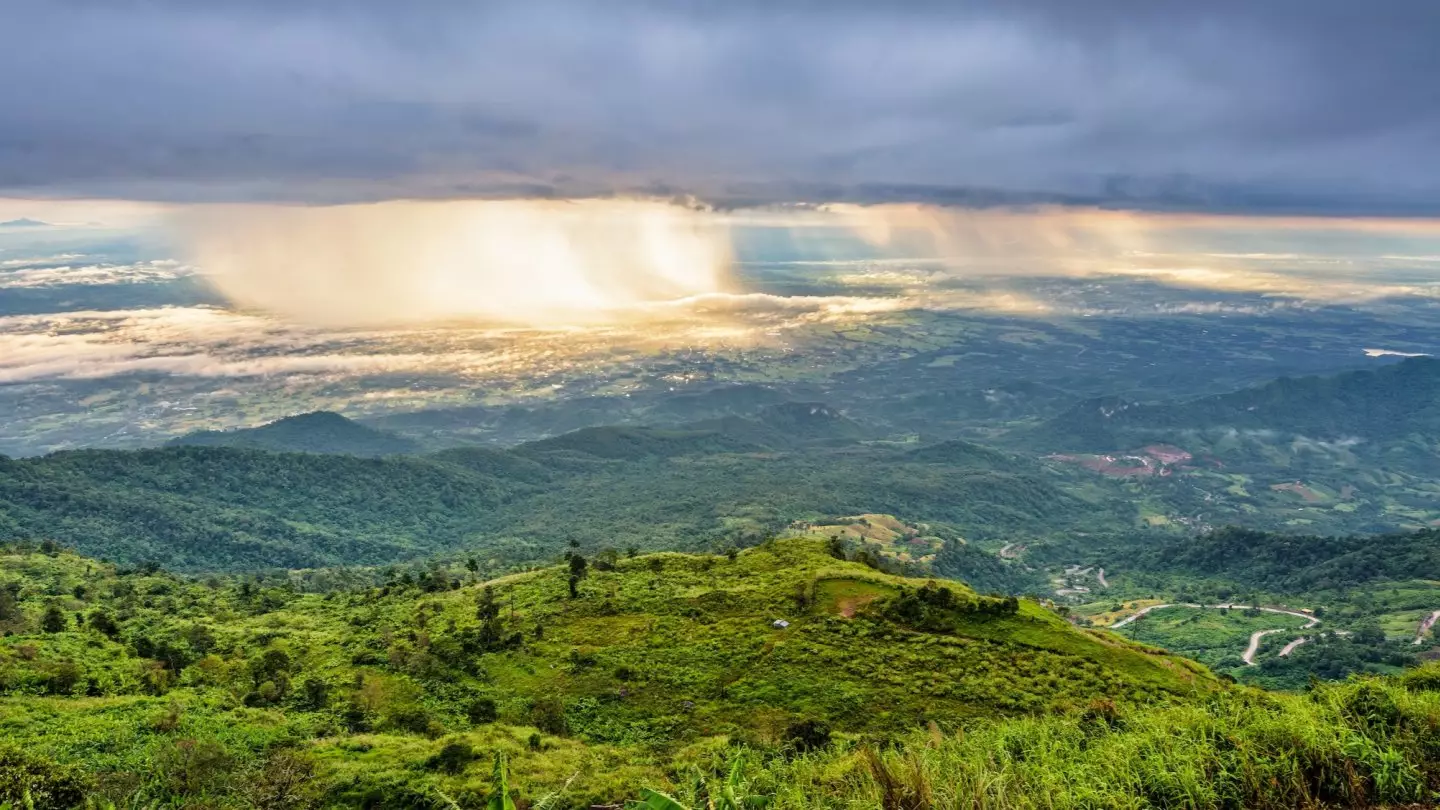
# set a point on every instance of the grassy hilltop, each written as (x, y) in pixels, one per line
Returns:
(654, 661)
(600, 678)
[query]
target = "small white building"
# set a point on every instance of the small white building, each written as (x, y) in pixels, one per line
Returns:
(780, 624)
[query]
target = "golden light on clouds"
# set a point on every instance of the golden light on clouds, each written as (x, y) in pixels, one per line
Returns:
(523, 262)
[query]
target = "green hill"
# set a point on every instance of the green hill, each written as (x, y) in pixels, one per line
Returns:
(224, 508)
(1383, 404)
(966, 454)
(1295, 563)
(317, 432)
(213, 508)
(809, 421)
(630, 443)
(649, 658)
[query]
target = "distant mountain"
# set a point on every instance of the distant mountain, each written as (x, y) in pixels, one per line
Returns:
(317, 432)
(731, 481)
(785, 426)
(1387, 402)
(951, 407)
(513, 424)
(1089, 425)
(1290, 562)
(964, 454)
(24, 223)
(632, 443)
(726, 400)
(810, 421)
(1381, 404)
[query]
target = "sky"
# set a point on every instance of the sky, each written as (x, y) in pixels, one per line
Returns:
(1286, 106)
(215, 212)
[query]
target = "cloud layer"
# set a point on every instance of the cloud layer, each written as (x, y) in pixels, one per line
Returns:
(1322, 106)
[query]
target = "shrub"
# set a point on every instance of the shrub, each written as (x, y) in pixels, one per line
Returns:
(192, 767)
(482, 711)
(548, 715)
(285, 781)
(452, 758)
(46, 784)
(807, 735)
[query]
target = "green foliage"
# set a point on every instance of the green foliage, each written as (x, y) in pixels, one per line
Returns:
(1295, 563)
(223, 508)
(500, 798)
(35, 782)
(317, 432)
(214, 689)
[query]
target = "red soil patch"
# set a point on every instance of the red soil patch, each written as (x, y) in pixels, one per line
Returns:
(850, 604)
(1167, 453)
(1307, 494)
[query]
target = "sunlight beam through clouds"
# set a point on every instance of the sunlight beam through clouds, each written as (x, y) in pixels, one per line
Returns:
(529, 262)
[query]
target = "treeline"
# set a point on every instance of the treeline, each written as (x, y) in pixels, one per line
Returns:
(209, 508)
(1290, 563)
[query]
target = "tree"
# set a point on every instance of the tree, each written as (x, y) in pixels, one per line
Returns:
(607, 559)
(53, 620)
(9, 607)
(482, 711)
(492, 632)
(285, 782)
(101, 621)
(579, 568)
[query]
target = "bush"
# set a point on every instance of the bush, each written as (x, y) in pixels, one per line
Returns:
(548, 715)
(482, 711)
(807, 735)
(286, 781)
(452, 758)
(193, 767)
(47, 784)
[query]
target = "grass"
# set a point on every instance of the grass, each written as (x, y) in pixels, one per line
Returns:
(662, 662)
(1213, 637)
(1364, 743)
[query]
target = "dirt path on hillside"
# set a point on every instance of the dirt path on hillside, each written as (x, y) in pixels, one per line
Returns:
(1310, 620)
(1250, 651)
(1249, 656)
(1425, 627)
(1289, 648)
(1100, 575)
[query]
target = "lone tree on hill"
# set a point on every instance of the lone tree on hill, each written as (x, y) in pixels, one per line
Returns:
(9, 607)
(53, 621)
(579, 568)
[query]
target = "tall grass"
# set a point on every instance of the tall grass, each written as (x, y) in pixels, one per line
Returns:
(1363, 743)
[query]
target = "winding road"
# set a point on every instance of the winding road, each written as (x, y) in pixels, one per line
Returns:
(1249, 656)
(1425, 627)
(1289, 648)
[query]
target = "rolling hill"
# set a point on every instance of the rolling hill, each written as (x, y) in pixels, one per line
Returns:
(730, 483)
(1383, 404)
(316, 432)
(636, 662)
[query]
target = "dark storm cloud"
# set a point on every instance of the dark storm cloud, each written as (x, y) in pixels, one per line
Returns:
(1327, 106)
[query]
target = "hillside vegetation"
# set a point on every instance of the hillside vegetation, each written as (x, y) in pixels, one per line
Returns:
(1381, 404)
(317, 432)
(618, 670)
(221, 508)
